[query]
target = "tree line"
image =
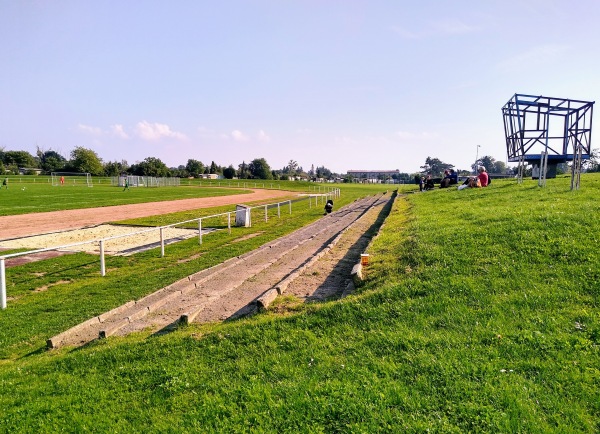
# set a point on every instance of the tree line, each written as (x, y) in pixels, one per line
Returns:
(82, 160)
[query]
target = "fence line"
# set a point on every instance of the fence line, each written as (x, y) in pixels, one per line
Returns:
(334, 193)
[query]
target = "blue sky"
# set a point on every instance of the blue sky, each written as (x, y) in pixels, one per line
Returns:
(344, 84)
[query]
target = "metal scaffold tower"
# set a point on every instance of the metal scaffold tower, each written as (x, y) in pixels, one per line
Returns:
(546, 131)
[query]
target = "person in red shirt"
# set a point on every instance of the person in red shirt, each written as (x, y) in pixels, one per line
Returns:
(483, 177)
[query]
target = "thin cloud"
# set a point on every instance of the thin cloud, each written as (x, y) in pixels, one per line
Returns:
(405, 33)
(452, 26)
(157, 131)
(263, 137)
(535, 56)
(95, 131)
(444, 27)
(119, 131)
(407, 135)
(238, 136)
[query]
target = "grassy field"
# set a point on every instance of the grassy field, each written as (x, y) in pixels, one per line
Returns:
(27, 194)
(480, 313)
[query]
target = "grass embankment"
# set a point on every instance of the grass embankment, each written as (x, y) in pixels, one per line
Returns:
(479, 313)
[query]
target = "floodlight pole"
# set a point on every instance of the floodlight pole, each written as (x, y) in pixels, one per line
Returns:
(476, 158)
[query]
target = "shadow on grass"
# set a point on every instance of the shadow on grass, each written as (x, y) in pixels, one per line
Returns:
(346, 263)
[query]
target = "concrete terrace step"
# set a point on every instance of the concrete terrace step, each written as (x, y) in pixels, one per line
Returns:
(259, 271)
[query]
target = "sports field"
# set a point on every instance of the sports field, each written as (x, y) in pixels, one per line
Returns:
(28, 197)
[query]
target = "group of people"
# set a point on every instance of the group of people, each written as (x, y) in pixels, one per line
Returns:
(451, 178)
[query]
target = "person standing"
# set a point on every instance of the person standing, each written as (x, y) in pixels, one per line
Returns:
(5, 183)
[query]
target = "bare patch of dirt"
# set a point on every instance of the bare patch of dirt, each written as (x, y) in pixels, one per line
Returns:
(20, 260)
(46, 287)
(247, 237)
(190, 258)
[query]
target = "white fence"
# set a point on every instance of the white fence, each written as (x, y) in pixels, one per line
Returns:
(145, 181)
(333, 193)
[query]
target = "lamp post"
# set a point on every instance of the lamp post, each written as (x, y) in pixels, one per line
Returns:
(476, 158)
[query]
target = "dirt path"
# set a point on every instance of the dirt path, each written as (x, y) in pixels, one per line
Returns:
(231, 288)
(46, 222)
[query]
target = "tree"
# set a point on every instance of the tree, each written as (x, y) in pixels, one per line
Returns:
(85, 161)
(292, 167)
(194, 167)
(50, 161)
(323, 172)
(435, 166)
(243, 171)
(486, 161)
(259, 168)
(491, 165)
(151, 166)
(593, 164)
(229, 172)
(114, 168)
(213, 167)
(19, 159)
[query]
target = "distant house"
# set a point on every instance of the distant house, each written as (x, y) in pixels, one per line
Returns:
(210, 176)
(372, 176)
(29, 171)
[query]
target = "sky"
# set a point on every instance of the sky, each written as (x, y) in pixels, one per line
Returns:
(349, 85)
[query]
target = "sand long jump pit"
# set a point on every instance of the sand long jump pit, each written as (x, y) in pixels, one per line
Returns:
(129, 239)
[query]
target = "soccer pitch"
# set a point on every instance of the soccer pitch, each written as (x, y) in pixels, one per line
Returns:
(24, 196)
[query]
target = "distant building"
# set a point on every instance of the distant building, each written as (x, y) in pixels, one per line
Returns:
(210, 176)
(373, 176)
(29, 171)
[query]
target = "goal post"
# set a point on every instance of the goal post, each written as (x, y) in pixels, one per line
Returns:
(71, 178)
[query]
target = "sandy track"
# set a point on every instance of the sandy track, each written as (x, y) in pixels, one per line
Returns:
(46, 222)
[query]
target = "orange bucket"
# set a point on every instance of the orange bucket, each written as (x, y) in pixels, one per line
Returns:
(364, 259)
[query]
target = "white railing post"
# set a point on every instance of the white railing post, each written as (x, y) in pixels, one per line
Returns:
(266, 216)
(229, 222)
(2, 284)
(200, 230)
(290, 206)
(102, 260)
(162, 243)
(278, 212)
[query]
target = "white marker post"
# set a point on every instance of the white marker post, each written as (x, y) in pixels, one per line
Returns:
(200, 230)
(2, 284)
(102, 261)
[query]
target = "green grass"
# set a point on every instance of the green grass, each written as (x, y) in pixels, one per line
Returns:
(27, 194)
(50, 296)
(42, 197)
(480, 313)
